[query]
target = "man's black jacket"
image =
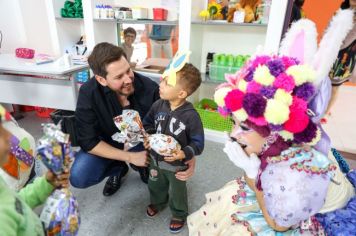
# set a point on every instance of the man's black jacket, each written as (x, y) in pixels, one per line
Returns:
(98, 105)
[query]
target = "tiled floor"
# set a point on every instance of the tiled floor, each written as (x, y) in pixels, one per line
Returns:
(341, 125)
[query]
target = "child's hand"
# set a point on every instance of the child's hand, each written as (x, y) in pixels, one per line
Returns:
(146, 143)
(176, 156)
(58, 181)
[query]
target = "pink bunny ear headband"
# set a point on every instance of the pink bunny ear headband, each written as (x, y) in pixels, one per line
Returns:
(275, 91)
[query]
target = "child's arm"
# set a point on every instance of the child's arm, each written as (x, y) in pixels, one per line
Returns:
(196, 145)
(196, 134)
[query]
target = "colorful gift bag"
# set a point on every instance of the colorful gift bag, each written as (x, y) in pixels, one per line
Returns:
(16, 171)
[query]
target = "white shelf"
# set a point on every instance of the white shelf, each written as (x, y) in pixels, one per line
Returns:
(212, 22)
(69, 19)
(147, 22)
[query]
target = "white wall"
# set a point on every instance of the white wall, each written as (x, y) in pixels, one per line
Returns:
(35, 20)
(24, 23)
(11, 25)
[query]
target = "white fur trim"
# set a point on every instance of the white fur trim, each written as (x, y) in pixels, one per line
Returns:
(310, 37)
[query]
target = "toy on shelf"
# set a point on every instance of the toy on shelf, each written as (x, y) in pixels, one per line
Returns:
(72, 9)
(225, 64)
(245, 7)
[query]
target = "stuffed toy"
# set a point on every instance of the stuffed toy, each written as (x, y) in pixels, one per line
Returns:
(248, 6)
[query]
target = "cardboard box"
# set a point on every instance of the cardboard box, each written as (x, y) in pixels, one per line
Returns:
(153, 65)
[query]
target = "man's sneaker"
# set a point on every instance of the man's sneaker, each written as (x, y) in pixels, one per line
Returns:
(114, 182)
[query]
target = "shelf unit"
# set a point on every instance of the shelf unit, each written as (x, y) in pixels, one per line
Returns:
(65, 32)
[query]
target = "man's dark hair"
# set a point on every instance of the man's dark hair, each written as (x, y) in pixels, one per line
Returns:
(345, 4)
(130, 30)
(102, 55)
(190, 78)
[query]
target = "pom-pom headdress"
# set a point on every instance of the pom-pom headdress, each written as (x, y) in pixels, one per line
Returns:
(278, 91)
(274, 93)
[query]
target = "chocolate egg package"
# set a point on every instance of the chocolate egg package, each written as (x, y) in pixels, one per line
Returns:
(60, 213)
(164, 145)
(130, 126)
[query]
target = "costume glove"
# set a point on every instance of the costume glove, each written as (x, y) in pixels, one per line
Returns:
(250, 164)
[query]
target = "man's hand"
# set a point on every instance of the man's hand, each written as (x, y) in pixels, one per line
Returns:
(250, 164)
(58, 181)
(176, 156)
(138, 158)
(185, 175)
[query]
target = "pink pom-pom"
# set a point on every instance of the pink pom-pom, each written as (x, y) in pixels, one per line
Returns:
(285, 82)
(260, 121)
(298, 104)
(253, 87)
(233, 100)
(297, 122)
(260, 60)
(298, 118)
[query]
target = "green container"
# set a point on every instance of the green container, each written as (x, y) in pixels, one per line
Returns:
(212, 119)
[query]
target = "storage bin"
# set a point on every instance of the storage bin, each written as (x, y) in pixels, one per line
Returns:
(43, 112)
(67, 119)
(160, 14)
(217, 72)
(82, 76)
(139, 13)
(210, 118)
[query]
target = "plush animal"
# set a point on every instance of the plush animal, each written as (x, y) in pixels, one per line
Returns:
(248, 6)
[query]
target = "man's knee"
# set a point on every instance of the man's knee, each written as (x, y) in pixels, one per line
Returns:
(77, 180)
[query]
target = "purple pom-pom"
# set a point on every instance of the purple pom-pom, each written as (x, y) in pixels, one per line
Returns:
(268, 91)
(276, 127)
(305, 91)
(276, 67)
(307, 135)
(249, 76)
(254, 104)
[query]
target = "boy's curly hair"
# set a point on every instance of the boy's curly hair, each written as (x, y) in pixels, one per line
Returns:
(189, 78)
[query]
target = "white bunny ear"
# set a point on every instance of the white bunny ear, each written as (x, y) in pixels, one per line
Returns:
(331, 42)
(300, 41)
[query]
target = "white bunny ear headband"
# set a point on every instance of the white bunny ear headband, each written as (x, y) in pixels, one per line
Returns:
(301, 42)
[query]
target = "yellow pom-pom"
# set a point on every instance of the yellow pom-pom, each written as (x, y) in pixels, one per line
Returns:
(263, 76)
(316, 139)
(283, 96)
(220, 95)
(240, 114)
(301, 74)
(242, 86)
(286, 135)
(276, 112)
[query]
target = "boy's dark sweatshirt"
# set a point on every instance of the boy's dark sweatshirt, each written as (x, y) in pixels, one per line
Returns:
(183, 124)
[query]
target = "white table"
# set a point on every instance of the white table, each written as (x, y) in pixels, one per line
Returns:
(47, 85)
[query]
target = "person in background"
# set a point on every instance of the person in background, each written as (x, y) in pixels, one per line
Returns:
(113, 88)
(129, 39)
(16, 215)
(173, 115)
(297, 11)
(343, 69)
(160, 38)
